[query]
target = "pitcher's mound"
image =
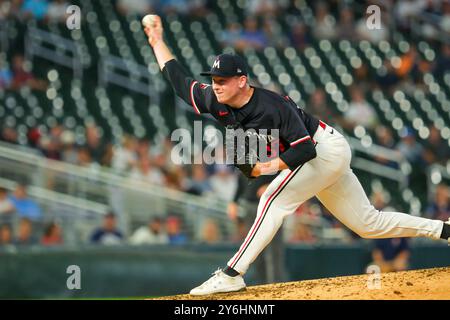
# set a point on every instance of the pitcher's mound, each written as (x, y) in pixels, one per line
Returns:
(415, 284)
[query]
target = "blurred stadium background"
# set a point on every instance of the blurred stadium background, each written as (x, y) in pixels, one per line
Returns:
(86, 119)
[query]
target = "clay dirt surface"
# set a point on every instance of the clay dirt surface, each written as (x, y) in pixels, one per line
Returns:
(425, 284)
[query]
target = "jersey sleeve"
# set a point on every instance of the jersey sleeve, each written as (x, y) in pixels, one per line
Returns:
(196, 94)
(293, 131)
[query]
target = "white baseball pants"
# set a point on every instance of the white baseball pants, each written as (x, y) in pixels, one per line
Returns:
(330, 178)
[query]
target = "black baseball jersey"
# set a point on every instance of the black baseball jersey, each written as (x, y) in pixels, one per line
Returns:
(265, 110)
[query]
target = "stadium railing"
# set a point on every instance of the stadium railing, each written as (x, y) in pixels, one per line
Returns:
(135, 203)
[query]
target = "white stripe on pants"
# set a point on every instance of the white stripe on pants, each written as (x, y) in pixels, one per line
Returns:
(330, 178)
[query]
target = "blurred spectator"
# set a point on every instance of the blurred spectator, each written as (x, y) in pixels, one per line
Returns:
(391, 254)
(384, 137)
(131, 7)
(6, 205)
(210, 232)
(22, 75)
(318, 106)
(52, 235)
(386, 76)
(346, 25)
(436, 149)
(241, 229)
(439, 208)
(409, 147)
(359, 111)
(361, 75)
(412, 150)
(262, 8)
(143, 148)
(95, 144)
(273, 33)
(9, 135)
(34, 135)
(299, 36)
(144, 172)
(405, 10)
(108, 155)
(193, 7)
(198, 183)
(412, 66)
(153, 233)
(25, 233)
(379, 200)
(69, 152)
(84, 157)
(51, 145)
(161, 151)
(108, 234)
(442, 64)
(302, 232)
(25, 206)
(6, 76)
(176, 179)
(174, 231)
(124, 158)
(324, 27)
(37, 9)
(445, 21)
(252, 36)
(408, 60)
(224, 182)
(6, 237)
(10, 9)
(231, 35)
(57, 11)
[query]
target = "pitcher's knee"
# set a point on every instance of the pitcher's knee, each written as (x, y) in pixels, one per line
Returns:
(370, 228)
(367, 234)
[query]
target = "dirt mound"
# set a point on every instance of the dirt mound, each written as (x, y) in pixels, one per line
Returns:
(415, 284)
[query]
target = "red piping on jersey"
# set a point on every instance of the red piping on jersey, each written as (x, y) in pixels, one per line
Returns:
(300, 140)
(191, 91)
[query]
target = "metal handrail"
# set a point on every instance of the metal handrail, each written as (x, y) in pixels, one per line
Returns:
(105, 176)
(34, 40)
(57, 197)
(109, 66)
(400, 175)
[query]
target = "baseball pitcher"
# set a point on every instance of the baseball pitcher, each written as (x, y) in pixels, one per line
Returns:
(314, 160)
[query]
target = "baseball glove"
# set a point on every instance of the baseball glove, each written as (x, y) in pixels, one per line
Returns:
(243, 156)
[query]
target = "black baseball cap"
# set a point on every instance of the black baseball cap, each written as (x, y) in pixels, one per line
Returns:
(227, 65)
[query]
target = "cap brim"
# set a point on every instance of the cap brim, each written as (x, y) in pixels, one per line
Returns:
(206, 73)
(210, 74)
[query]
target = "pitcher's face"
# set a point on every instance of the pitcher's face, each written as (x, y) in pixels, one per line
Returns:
(227, 88)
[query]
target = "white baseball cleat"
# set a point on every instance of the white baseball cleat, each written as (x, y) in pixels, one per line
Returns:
(219, 282)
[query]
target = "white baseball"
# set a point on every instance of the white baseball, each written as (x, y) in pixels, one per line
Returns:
(148, 20)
